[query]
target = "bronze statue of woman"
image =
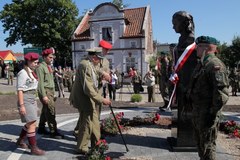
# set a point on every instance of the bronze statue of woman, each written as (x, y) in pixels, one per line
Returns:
(184, 25)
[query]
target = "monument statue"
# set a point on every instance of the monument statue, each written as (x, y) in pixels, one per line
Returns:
(185, 61)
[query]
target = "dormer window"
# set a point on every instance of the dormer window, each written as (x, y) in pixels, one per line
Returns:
(107, 34)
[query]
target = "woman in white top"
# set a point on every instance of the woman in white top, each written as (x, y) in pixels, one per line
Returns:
(27, 83)
(112, 86)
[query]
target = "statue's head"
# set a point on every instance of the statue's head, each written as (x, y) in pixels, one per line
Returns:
(183, 22)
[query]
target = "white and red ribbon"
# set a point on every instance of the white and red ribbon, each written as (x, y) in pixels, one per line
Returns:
(178, 66)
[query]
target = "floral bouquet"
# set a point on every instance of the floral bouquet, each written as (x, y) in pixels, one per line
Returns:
(231, 128)
(97, 153)
(109, 126)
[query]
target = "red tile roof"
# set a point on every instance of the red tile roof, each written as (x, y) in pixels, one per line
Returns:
(3, 54)
(134, 19)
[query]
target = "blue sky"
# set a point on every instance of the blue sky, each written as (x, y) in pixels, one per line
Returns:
(217, 18)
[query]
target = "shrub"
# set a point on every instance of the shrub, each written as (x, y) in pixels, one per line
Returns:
(136, 98)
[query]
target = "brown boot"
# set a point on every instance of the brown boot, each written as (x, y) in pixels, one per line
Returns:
(36, 151)
(21, 144)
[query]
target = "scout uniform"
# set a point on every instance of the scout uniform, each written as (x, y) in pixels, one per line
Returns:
(84, 96)
(46, 88)
(208, 93)
(26, 87)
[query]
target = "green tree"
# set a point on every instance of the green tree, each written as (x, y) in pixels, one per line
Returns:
(41, 23)
(230, 55)
(119, 3)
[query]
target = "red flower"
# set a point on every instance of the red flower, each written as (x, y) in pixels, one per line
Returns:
(107, 158)
(236, 133)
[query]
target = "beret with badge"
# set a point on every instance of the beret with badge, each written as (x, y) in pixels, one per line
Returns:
(95, 51)
(105, 44)
(207, 40)
(31, 56)
(48, 51)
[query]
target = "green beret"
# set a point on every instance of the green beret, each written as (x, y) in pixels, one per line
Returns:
(163, 53)
(172, 45)
(207, 39)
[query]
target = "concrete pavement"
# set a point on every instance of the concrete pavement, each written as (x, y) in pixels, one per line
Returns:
(149, 144)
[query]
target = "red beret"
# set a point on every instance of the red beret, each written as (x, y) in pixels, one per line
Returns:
(31, 56)
(105, 44)
(48, 51)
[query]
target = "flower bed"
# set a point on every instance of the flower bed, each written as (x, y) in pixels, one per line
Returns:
(231, 128)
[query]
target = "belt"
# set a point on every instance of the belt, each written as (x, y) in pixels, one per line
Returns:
(33, 91)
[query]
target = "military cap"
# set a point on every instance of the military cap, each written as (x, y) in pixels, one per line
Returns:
(31, 56)
(105, 44)
(172, 45)
(48, 51)
(163, 53)
(207, 39)
(95, 51)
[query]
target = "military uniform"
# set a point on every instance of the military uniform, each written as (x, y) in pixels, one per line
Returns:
(164, 76)
(10, 74)
(84, 96)
(68, 76)
(208, 93)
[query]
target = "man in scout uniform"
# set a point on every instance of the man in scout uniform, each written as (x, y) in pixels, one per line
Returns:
(84, 96)
(103, 67)
(46, 91)
(208, 93)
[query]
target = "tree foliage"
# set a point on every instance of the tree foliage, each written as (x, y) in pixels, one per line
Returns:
(119, 3)
(230, 55)
(41, 23)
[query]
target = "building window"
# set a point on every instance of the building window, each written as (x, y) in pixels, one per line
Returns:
(107, 34)
(130, 63)
(82, 47)
(133, 44)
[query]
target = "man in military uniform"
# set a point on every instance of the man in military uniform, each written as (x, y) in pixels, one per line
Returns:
(85, 96)
(68, 76)
(164, 76)
(10, 73)
(208, 93)
(46, 91)
(104, 74)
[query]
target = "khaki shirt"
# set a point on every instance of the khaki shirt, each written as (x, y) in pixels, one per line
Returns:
(85, 94)
(45, 79)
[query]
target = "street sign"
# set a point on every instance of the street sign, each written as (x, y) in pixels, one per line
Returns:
(34, 49)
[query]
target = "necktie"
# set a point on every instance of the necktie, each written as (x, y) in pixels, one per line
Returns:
(50, 69)
(35, 75)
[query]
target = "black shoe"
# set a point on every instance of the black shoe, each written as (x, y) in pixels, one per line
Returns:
(43, 130)
(56, 135)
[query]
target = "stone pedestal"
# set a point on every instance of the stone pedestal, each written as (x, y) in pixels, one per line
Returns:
(182, 139)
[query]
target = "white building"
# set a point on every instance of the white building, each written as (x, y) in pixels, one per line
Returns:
(128, 30)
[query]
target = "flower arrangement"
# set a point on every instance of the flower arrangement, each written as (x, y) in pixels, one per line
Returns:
(108, 125)
(150, 119)
(97, 153)
(231, 128)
